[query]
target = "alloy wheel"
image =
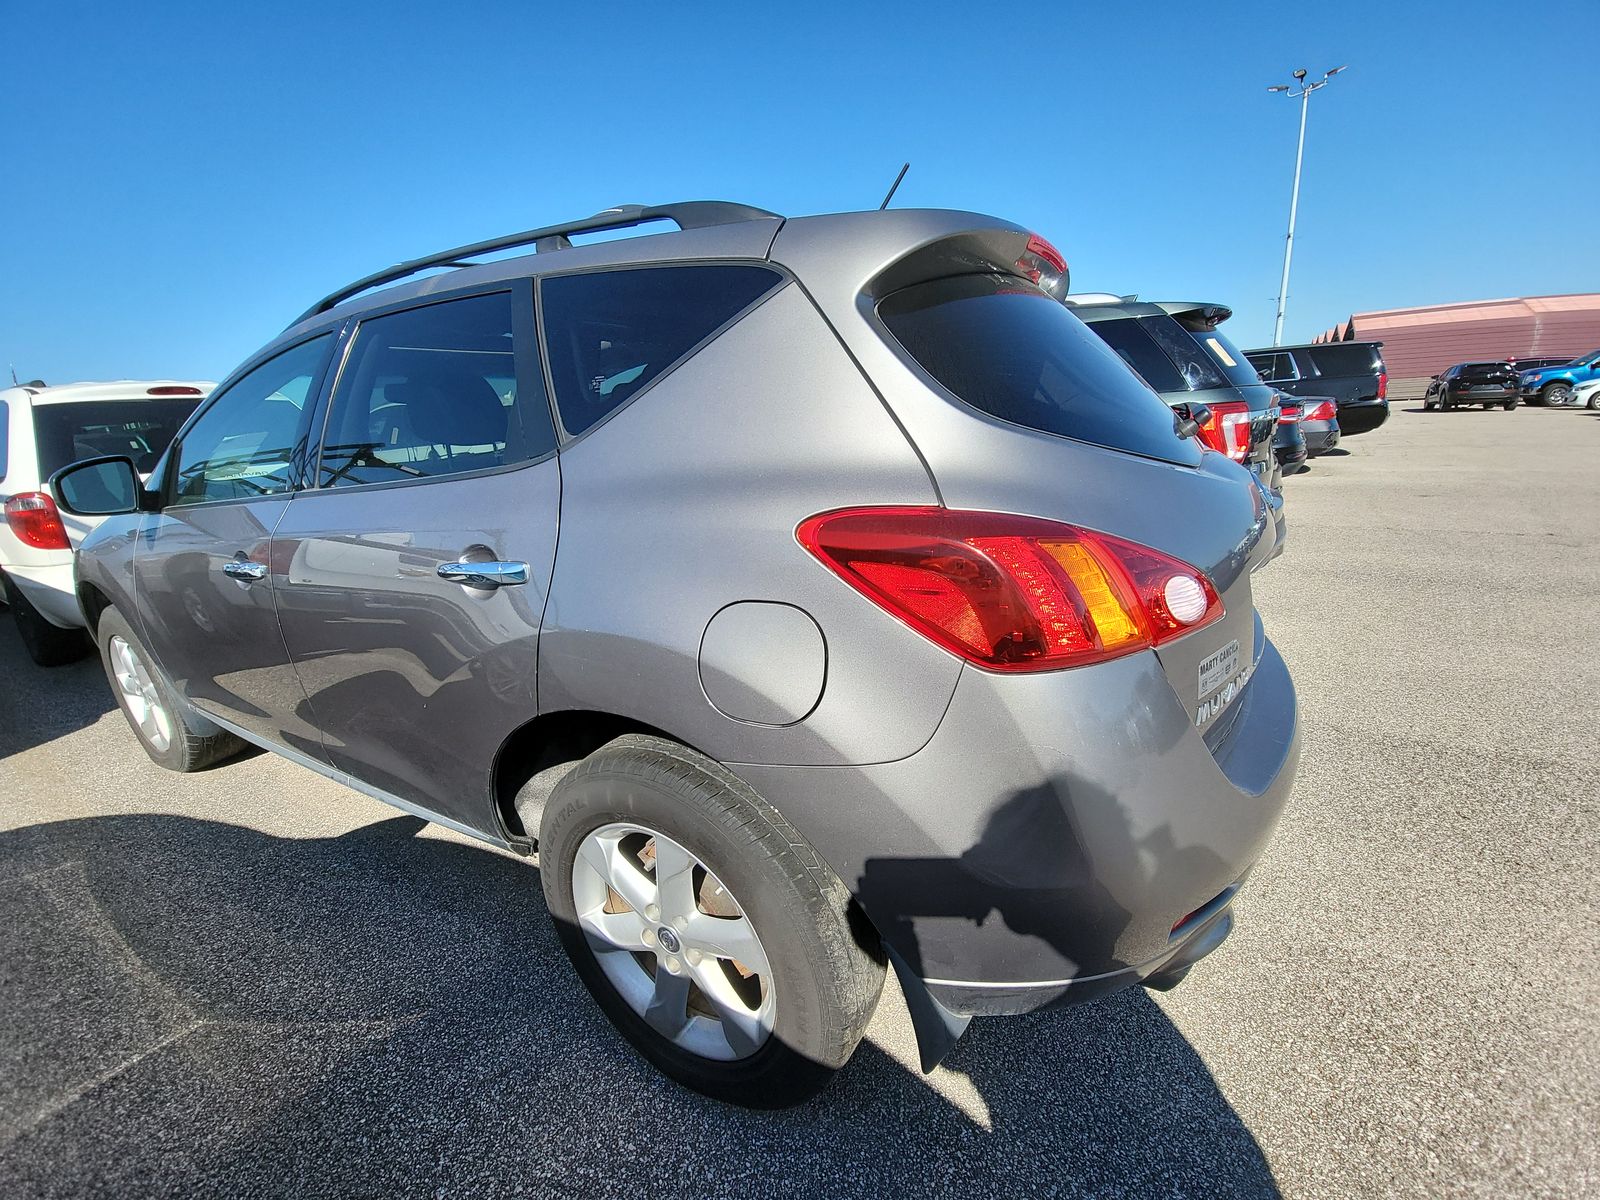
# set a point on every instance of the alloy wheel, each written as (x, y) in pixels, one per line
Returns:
(674, 942)
(139, 694)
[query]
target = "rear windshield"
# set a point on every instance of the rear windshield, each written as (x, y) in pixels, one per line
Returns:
(1229, 358)
(140, 429)
(1011, 351)
(1164, 353)
(1359, 359)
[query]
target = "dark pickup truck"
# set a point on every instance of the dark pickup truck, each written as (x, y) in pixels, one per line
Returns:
(1351, 372)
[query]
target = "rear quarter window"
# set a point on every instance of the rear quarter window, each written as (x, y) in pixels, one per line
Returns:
(1007, 349)
(1346, 360)
(611, 334)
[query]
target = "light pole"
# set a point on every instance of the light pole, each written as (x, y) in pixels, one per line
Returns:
(1304, 96)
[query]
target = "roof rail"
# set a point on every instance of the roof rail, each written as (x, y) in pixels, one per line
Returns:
(689, 214)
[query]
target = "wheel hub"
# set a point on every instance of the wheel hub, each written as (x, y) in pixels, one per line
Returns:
(673, 941)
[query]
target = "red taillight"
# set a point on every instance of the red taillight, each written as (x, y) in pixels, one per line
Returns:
(1383, 385)
(1012, 593)
(1227, 429)
(173, 390)
(1326, 411)
(1289, 414)
(1042, 263)
(34, 519)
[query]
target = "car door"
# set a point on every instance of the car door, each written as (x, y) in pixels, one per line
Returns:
(201, 565)
(411, 579)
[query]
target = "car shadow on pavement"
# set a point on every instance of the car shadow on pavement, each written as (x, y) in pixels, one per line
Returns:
(195, 1007)
(39, 704)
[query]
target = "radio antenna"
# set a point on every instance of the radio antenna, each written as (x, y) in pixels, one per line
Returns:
(895, 188)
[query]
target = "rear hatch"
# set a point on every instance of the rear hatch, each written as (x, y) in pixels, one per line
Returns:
(1487, 376)
(1091, 445)
(140, 428)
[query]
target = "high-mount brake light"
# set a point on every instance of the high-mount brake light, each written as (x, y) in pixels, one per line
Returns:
(173, 389)
(1043, 263)
(33, 517)
(1227, 429)
(1012, 593)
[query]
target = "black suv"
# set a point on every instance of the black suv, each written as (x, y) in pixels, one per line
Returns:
(1351, 372)
(1485, 383)
(1176, 347)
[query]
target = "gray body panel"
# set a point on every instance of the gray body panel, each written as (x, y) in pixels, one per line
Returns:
(668, 507)
(217, 638)
(415, 681)
(1010, 835)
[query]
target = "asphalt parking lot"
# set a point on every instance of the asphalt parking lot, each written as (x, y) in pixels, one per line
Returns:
(252, 981)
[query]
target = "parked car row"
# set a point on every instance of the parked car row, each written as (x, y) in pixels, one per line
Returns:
(901, 614)
(1503, 383)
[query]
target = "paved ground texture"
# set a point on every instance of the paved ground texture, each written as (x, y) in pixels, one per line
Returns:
(252, 981)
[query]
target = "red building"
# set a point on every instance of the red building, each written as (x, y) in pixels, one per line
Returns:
(1420, 342)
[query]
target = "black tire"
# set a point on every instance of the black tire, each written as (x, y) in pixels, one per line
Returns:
(826, 980)
(1427, 402)
(1556, 395)
(48, 645)
(1509, 405)
(193, 743)
(1594, 400)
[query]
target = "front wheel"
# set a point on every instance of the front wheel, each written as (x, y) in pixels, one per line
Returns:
(1509, 405)
(1556, 395)
(1594, 399)
(171, 734)
(710, 934)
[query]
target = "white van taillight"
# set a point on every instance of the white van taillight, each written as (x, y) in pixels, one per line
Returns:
(1012, 593)
(32, 516)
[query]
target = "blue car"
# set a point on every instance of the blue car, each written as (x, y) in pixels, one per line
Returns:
(1553, 386)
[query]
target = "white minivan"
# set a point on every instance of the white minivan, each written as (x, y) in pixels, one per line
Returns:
(43, 429)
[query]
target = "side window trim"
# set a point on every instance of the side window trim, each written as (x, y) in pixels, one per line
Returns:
(530, 372)
(782, 280)
(174, 452)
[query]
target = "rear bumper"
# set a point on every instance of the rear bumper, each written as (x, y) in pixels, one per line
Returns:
(1362, 416)
(52, 590)
(1045, 843)
(1321, 436)
(1491, 396)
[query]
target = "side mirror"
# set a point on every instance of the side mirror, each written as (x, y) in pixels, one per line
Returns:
(97, 487)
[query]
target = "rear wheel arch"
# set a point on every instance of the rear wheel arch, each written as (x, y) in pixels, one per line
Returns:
(94, 603)
(538, 754)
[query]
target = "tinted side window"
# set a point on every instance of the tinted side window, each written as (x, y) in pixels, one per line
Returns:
(433, 391)
(250, 441)
(1274, 368)
(1139, 351)
(1346, 360)
(1009, 350)
(610, 334)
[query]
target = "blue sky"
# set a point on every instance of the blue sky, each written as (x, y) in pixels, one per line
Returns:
(180, 181)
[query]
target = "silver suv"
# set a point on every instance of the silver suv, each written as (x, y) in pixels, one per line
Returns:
(809, 595)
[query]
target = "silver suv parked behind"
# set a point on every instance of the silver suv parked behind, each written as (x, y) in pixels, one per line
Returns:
(808, 594)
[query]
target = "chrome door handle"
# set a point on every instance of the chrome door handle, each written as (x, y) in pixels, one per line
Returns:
(484, 574)
(240, 568)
